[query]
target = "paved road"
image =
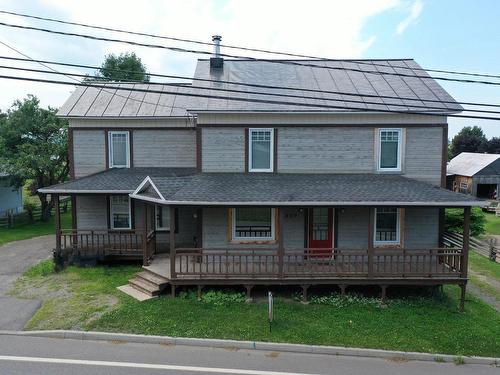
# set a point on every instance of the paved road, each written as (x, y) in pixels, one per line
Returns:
(28, 355)
(15, 258)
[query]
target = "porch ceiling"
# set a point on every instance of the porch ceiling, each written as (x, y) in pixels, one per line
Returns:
(261, 189)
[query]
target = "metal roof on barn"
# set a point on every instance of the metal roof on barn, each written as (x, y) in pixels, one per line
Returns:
(160, 100)
(470, 163)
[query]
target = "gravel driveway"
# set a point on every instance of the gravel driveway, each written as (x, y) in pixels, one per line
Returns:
(15, 258)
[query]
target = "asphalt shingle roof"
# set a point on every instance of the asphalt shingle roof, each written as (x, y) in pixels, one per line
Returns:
(304, 189)
(122, 180)
(98, 102)
(470, 163)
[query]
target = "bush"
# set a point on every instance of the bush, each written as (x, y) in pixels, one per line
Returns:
(454, 221)
(29, 208)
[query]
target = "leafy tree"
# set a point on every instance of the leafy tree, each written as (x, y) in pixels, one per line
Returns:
(124, 67)
(454, 221)
(469, 139)
(33, 146)
(493, 146)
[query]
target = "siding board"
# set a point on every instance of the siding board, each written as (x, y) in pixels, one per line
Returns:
(89, 152)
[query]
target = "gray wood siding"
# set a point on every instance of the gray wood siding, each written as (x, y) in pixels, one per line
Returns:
(424, 154)
(325, 150)
(186, 231)
(352, 226)
(164, 148)
(91, 212)
(89, 152)
(223, 150)
(421, 228)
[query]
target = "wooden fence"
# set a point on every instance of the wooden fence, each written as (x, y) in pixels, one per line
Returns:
(14, 220)
(488, 248)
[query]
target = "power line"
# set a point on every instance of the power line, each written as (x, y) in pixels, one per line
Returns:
(282, 95)
(285, 62)
(177, 39)
(272, 87)
(232, 98)
(54, 71)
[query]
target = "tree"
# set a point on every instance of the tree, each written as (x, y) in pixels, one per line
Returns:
(493, 146)
(454, 221)
(33, 147)
(469, 139)
(124, 67)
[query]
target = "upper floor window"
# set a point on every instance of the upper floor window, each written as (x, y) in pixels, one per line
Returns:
(389, 150)
(261, 150)
(120, 212)
(119, 149)
(387, 226)
(253, 223)
(162, 217)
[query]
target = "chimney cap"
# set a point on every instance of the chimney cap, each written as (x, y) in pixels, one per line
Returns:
(216, 38)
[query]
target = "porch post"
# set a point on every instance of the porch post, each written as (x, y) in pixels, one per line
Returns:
(465, 256)
(57, 217)
(281, 248)
(172, 242)
(371, 223)
(145, 257)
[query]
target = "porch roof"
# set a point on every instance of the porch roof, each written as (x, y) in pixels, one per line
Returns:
(113, 181)
(294, 189)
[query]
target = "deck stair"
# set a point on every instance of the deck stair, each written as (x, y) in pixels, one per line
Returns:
(147, 283)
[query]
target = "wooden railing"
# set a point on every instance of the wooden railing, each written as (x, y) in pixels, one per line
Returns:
(101, 243)
(318, 263)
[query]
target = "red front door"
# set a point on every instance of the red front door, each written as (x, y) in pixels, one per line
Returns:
(321, 230)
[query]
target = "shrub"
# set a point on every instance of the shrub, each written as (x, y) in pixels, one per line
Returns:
(215, 297)
(454, 221)
(29, 208)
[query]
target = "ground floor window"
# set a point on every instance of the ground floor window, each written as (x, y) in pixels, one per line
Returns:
(387, 226)
(162, 217)
(119, 208)
(255, 223)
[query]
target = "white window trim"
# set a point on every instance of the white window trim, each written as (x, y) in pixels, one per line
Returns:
(166, 229)
(271, 159)
(111, 213)
(400, 143)
(398, 230)
(273, 226)
(110, 149)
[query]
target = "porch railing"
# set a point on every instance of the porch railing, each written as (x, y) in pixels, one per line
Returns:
(101, 243)
(318, 263)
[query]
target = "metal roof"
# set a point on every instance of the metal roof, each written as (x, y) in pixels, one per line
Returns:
(470, 163)
(260, 189)
(98, 102)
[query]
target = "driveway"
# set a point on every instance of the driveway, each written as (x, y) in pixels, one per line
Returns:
(15, 258)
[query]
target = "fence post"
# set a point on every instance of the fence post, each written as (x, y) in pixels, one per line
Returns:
(493, 251)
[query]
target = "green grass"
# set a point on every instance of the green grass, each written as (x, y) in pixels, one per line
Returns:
(484, 266)
(492, 225)
(86, 298)
(38, 228)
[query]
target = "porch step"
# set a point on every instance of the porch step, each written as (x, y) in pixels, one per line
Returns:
(144, 286)
(138, 295)
(153, 278)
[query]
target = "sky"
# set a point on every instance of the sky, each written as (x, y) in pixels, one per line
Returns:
(439, 34)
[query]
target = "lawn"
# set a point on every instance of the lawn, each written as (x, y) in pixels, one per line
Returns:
(86, 298)
(485, 274)
(492, 225)
(38, 228)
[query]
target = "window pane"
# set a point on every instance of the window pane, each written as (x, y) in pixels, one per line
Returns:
(389, 143)
(162, 217)
(119, 149)
(387, 224)
(261, 149)
(120, 212)
(253, 222)
(320, 224)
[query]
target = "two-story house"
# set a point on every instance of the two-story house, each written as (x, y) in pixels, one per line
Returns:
(288, 172)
